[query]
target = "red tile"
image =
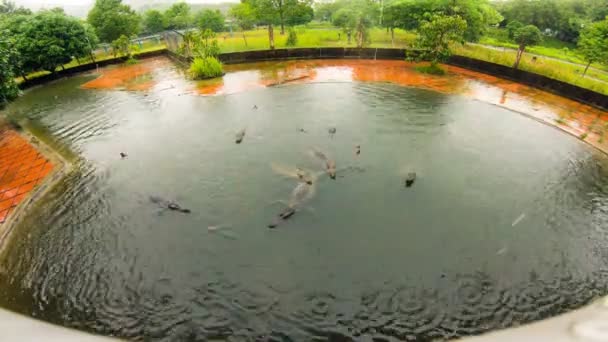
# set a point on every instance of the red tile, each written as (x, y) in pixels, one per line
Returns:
(9, 194)
(24, 189)
(3, 215)
(17, 199)
(5, 204)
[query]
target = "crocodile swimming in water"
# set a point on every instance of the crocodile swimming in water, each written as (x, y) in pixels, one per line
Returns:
(300, 194)
(296, 173)
(240, 135)
(164, 204)
(328, 163)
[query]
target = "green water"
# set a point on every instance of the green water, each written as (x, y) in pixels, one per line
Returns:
(505, 224)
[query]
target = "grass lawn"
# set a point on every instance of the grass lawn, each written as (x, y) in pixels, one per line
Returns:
(550, 47)
(309, 37)
(551, 68)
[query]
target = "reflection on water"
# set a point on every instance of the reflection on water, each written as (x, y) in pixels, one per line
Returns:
(505, 224)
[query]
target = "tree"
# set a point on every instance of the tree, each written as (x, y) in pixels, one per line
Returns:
(513, 26)
(325, 11)
(8, 88)
(281, 12)
(153, 21)
(478, 14)
(9, 7)
(593, 43)
(243, 16)
(297, 13)
(266, 12)
(391, 18)
(92, 41)
(47, 40)
(409, 14)
(210, 20)
(526, 36)
(112, 19)
(178, 16)
(435, 36)
(122, 46)
(356, 18)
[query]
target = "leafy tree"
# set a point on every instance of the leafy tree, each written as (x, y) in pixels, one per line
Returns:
(435, 36)
(91, 40)
(292, 37)
(478, 14)
(512, 27)
(178, 16)
(280, 12)
(593, 43)
(346, 19)
(325, 11)
(409, 14)
(266, 12)
(112, 19)
(244, 17)
(356, 18)
(210, 20)
(122, 46)
(8, 88)
(526, 36)
(9, 7)
(48, 39)
(563, 18)
(297, 13)
(153, 21)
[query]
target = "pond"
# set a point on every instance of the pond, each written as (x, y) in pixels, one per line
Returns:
(506, 221)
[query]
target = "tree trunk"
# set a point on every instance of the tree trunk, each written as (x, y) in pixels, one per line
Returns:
(62, 68)
(92, 57)
(271, 36)
(392, 36)
(349, 37)
(245, 38)
(282, 26)
(586, 68)
(23, 75)
(520, 53)
(78, 60)
(359, 39)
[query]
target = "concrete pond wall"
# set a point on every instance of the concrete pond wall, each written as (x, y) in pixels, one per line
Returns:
(528, 78)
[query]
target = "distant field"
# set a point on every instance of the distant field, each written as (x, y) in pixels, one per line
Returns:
(550, 47)
(309, 37)
(562, 71)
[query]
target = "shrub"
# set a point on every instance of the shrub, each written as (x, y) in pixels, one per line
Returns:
(208, 67)
(131, 61)
(433, 69)
(292, 37)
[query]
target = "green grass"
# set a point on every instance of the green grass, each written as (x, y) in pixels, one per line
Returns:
(550, 47)
(551, 68)
(307, 37)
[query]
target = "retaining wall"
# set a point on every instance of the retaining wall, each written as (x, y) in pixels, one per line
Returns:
(535, 80)
(84, 67)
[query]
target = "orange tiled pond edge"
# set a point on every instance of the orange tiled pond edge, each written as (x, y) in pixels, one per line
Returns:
(27, 170)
